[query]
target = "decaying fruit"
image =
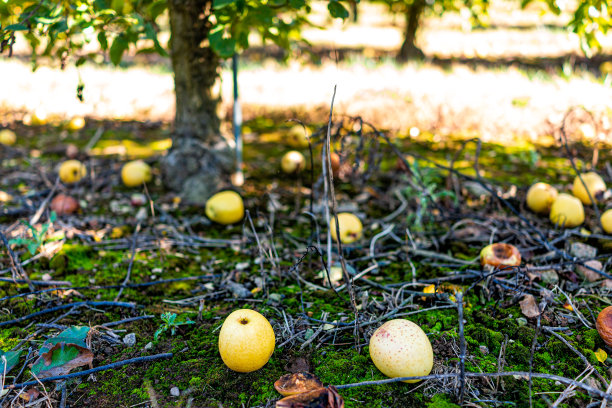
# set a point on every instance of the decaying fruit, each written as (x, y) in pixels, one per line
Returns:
(500, 255)
(324, 397)
(595, 184)
(297, 383)
(63, 204)
(604, 325)
(540, 197)
(567, 211)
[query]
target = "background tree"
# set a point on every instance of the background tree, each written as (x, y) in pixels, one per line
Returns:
(203, 32)
(413, 12)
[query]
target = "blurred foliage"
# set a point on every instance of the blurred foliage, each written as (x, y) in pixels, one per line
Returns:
(590, 20)
(60, 28)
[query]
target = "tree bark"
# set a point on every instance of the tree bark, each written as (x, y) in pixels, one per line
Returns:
(200, 160)
(409, 50)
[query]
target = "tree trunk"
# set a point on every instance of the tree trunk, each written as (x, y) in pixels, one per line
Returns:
(200, 159)
(409, 49)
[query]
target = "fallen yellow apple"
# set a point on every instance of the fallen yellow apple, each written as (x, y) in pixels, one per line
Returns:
(540, 197)
(135, 173)
(606, 221)
(595, 184)
(350, 228)
(76, 123)
(567, 211)
(7, 137)
(72, 171)
(246, 341)
(296, 137)
(400, 348)
(293, 162)
(225, 207)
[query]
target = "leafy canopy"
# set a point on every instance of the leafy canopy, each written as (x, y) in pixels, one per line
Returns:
(60, 28)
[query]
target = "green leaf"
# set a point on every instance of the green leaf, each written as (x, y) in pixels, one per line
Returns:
(297, 4)
(219, 4)
(16, 27)
(102, 40)
(224, 47)
(62, 353)
(33, 247)
(156, 8)
(337, 10)
(119, 45)
(8, 360)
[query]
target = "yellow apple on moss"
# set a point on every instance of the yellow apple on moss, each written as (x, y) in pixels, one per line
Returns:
(540, 197)
(246, 341)
(400, 348)
(225, 207)
(76, 123)
(567, 211)
(595, 184)
(606, 221)
(293, 162)
(296, 137)
(350, 228)
(7, 137)
(135, 173)
(72, 171)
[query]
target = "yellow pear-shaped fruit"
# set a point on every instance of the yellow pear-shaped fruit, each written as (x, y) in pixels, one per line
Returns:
(594, 183)
(606, 221)
(72, 171)
(350, 228)
(135, 173)
(7, 137)
(567, 211)
(246, 341)
(225, 207)
(540, 197)
(400, 348)
(293, 162)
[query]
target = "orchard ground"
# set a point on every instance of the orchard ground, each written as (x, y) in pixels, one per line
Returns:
(444, 219)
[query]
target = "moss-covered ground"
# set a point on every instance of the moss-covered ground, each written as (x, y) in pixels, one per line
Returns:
(98, 249)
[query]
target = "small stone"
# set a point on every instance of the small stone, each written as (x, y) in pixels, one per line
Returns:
(142, 214)
(521, 321)
(275, 298)
(175, 392)
(46, 277)
(484, 350)
(549, 277)
(129, 339)
(582, 251)
(587, 273)
(607, 284)
(149, 346)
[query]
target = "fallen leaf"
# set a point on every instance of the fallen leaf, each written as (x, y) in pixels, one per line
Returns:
(8, 360)
(569, 307)
(62, 353)
(601, 355)
(430, 289)
(529, 307)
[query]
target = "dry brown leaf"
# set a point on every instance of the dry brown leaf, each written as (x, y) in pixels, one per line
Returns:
(529, 306)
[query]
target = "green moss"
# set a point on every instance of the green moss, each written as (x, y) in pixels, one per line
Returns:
(441, 401)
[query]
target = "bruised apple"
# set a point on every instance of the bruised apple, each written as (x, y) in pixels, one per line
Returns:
(72, 171)
(595, 185)
(350, 228)
(400, 348)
